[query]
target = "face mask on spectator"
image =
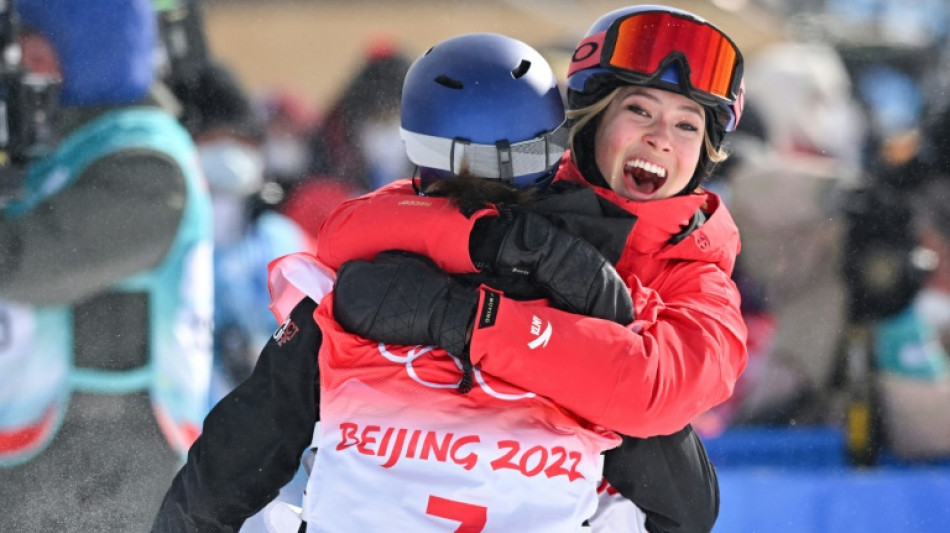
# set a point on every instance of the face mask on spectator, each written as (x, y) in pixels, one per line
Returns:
(285, 157)
(935, 305)
(230, 218)
(232, 167)
(384, 152)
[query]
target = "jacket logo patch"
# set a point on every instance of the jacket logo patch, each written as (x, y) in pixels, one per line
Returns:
(489, 310)
(287, 331)
(541, 339)
(417, 203)
(702, 242)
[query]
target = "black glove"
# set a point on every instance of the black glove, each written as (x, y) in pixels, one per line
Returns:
(572, 272)
(403, 298)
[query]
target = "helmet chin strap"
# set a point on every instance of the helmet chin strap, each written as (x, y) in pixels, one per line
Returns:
(704, 169)
(584, 154)
(506, 171)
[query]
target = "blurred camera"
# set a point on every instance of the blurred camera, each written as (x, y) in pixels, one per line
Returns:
(184, 54)
(884, 267)
(27, 105)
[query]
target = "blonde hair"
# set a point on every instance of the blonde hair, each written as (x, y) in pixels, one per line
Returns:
(581, 117)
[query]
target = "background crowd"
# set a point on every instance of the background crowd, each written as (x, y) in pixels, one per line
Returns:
(839, 181)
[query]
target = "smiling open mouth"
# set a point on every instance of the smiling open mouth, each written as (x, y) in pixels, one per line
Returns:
(646, 178)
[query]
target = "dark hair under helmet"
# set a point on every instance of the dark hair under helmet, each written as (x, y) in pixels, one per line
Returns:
(662, 47)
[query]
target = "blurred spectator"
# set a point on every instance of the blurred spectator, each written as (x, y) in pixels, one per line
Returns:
(771, 390)
(288, 119)
(311, 201)
(894, 104)
(107, 256)
(781, 190)
(357, 146)
(910, 345)
(930, 152)
(230, 137)
(913, 374)
(892, 362)
(358, 139)
(807, 104)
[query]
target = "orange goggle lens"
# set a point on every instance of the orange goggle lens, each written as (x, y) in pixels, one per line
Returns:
(640, 43)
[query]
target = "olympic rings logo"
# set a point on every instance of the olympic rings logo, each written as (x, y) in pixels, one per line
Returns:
(418, 351)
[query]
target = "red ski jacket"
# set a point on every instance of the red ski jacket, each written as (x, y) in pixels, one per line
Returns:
(682, 354)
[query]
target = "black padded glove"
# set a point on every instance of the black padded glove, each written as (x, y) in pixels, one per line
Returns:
(572, 272)
(404, 298)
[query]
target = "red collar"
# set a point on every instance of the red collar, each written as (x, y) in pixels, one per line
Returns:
(657, 221)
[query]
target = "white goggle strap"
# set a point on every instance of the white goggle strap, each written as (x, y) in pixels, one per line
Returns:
(501, 161)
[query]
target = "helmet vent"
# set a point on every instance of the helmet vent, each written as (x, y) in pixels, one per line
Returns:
(448, 82)
(521, 69)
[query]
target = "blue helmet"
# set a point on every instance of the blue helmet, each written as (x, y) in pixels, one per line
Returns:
(105, 47)
(486, 105)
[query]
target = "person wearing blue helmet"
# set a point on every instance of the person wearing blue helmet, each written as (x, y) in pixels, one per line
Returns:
(205, 495)
(106, 309)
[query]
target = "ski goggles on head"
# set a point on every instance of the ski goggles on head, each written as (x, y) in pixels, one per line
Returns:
(639, 46)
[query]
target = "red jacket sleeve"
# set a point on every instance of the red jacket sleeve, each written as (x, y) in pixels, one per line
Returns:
(686, 358)
(396, 218)
(681, 357)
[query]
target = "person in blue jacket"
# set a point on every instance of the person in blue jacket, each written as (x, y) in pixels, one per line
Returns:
(105, 284)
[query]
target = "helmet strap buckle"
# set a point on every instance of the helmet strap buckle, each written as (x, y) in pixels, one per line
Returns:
(505, 168)
(452, 159)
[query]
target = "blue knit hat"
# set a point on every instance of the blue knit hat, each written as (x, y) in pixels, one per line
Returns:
(105, 47)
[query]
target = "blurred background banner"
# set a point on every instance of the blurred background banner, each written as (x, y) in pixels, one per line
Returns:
(785, 480)
(761, 500)
(313, 45)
